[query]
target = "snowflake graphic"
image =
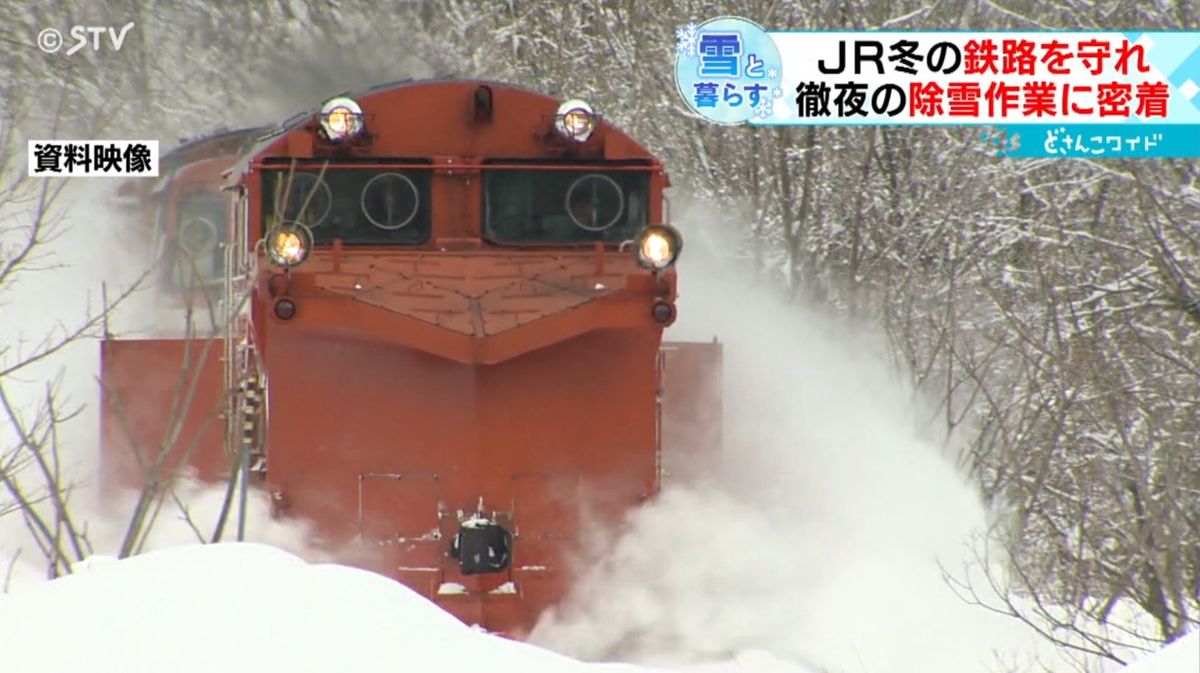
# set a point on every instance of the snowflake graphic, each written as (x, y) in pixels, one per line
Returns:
(686, 39)
(777, 92)
(765, 108)
(772, 73)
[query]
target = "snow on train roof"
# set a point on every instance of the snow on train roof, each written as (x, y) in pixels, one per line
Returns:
(217, 134)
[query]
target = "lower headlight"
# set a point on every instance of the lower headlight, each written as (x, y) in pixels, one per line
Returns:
(285, 309)
(289, 245)
(658, 246)
(663, 313)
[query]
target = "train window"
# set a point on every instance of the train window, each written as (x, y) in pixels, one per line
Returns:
(199, 239)
(564, 206)
(360, 206)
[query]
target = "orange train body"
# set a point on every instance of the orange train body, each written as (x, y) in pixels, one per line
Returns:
(466, 374)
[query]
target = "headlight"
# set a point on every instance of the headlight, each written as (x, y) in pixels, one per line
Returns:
(575, 120)
(341, 118)
(289, 244)
(658, 247)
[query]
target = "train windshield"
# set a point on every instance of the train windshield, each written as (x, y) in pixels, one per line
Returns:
(360, 206)
(565, 206)
(200, 237)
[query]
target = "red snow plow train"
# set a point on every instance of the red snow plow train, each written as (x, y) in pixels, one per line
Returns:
(440, 338)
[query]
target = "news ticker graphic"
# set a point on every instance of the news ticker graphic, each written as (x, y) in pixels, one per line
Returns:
(1050, 94)
(93, 158)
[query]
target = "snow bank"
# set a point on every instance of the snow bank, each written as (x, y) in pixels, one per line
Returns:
(1181, 656)
(244, 607)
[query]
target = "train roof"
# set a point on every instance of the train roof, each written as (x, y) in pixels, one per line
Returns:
(220, 141)
(217, 135)
(298, 119)
(271, 135)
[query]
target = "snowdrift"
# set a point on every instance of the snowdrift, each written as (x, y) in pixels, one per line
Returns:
(1181, 656)
(245, 607)
(253, 607)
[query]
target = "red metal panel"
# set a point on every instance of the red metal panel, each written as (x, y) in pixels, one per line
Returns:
(579, 414)
(161, 395)
(395, 506)
(691, 408)
(554, 499)
(400, 527)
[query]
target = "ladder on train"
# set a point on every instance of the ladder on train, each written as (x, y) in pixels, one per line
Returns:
(244, 380)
